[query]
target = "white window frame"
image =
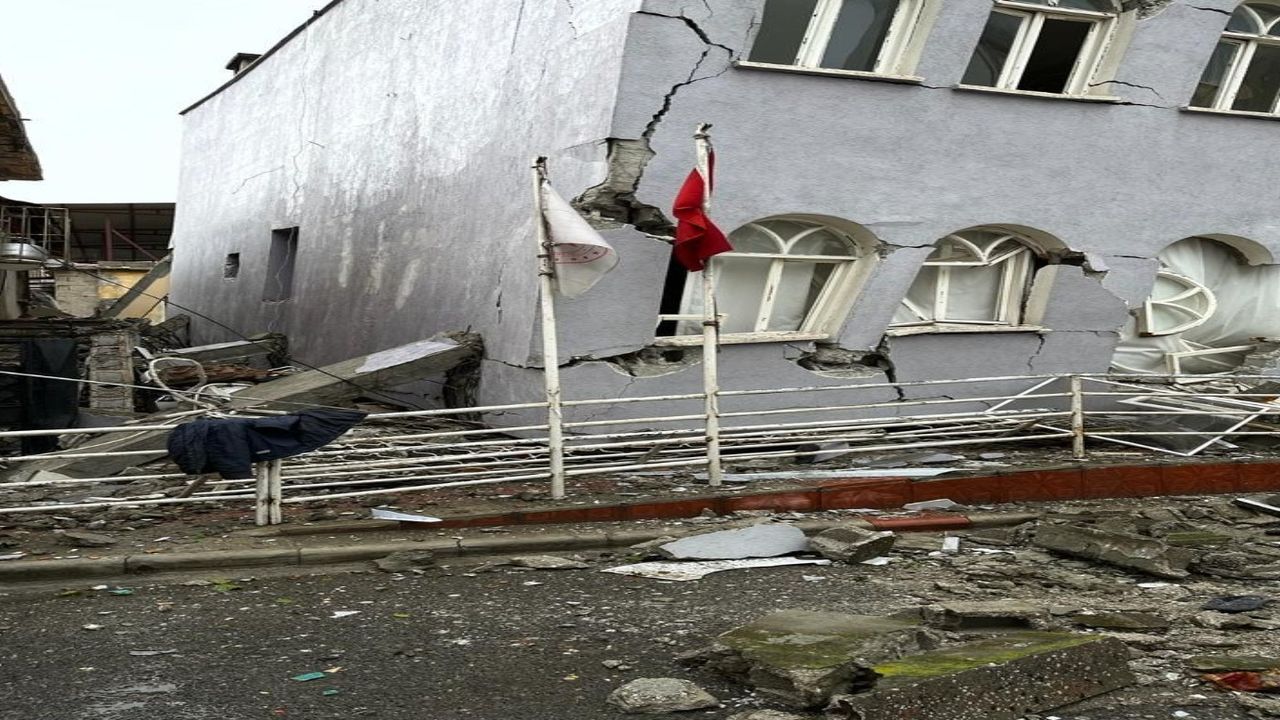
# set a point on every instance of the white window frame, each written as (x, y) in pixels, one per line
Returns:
(893, 54)
(1246, 46)
(824, 317)
(1015, 283)
(1181, 303)
(1088, 61)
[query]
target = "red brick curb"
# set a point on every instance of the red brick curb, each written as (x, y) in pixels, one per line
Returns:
(1075, 483)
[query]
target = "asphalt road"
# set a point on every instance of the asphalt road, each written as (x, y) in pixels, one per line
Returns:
(508, 644)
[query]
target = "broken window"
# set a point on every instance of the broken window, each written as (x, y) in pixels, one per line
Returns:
(1243, 73)
(785, 279)
(280, 262)
(1206, 313)
(858, 35)
(1049, 46)
(975, 278)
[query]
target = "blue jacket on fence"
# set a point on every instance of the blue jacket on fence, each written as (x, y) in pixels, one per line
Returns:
(230, 446)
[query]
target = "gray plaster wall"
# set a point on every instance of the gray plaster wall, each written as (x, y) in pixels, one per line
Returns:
(396, 135)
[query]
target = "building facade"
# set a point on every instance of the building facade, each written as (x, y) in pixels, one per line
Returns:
(915, 189)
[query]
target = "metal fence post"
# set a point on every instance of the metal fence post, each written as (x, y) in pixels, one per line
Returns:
(1077, 418)
(262, 494)
(275, 492)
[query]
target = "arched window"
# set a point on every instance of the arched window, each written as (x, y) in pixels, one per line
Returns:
(858, 35)
(973, 278)
(1051, 46)
(1244, 71)
(787, 278)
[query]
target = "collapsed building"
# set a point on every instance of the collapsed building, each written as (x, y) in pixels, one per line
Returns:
(915, 190)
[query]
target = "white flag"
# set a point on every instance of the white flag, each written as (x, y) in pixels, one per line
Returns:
(581, 256)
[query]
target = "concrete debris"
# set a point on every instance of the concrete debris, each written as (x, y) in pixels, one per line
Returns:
(686, 571)
(757, 541)
(1121, 621)
(1002, 678)
(655, 696)
(80, 538)
(1227, 663)
(852, 544)
(765, 715)
(406, 560)
(1132, 552)
(1266, 506)
(802, 658)
(1237, 603)
(547, 562)
(986, 615)
(939, 504)
(1223, 621)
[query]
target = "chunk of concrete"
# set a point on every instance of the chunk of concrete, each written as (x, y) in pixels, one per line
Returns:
(802, 658)
(80, 538)
(851, 544)
(1001, 678)
(1121, 621)
(1229, 663)
(547, 562)
(765, 715)
(986, 615)
(405, 560)
(758, 541)
(1131, 552)
(655, 696)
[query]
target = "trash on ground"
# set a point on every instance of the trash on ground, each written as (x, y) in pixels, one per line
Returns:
(756, 541)
(546, 562)
(12, 556)
(1237, 603)
(1266, 506)
(1247, 681)
(384, 514)
(683, 571)
(344, 613)
(308, 677)
(939, 504)
(850, 473)
(150, 653)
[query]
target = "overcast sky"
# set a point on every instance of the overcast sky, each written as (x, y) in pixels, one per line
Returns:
(101, 83)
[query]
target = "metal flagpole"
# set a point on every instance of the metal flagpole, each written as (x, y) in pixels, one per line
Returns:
(550, 346)
(710, 323)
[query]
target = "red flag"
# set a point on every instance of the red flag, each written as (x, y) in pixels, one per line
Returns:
(697, 238)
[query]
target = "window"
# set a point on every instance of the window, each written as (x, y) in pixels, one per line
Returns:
(280, 262)
(858, 35)
(1244, 71)
(977, 277)
(231, 266)
(1049, 46)
(785, 279)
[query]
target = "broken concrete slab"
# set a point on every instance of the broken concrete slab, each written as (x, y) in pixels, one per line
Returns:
(80, 538)
(547, 562)
(757, 541)
(802, 658)
(986, 615)
(337, 384)
(687, 570)
(765, 715)
(852, 544)
(1125, 550)
(1228, 663)
(1237, 603)
(1121, 621)
(1000, 678)
(405, 561)
(656, 696)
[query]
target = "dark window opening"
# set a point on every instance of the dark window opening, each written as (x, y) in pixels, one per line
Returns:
(1054, 58)
(782, 29)
(993, 50)
(231, 268)
(859, 34)
(280, 263)
(672, 294)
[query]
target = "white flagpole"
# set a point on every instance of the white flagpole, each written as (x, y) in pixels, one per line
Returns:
(550, 347)
(710, 324)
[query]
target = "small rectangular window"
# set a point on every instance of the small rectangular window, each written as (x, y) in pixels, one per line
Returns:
(280, 263)
(231, 267)
(1055, 56)
(858, 35)
(1058, 50)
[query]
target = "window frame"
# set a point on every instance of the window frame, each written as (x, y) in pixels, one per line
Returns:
(1246, 45)
(1088, 63)
(825, 316)
(1016, 278)
(892, 60)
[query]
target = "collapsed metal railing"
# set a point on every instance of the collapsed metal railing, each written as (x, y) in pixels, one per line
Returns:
(423, 450)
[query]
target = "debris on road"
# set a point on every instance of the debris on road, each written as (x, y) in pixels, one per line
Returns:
(546, 562)
(939, 504)
(764, 540)
(405, 560)
(685, 571)
(1237, 603)
(1247, 681)
(852, 544)
(986, 615)
(308, 677)
(655, 696)
(384, 514)
(1132, 552)
(80, 538)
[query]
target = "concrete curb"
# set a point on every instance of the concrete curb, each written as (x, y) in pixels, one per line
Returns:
(35, 570)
